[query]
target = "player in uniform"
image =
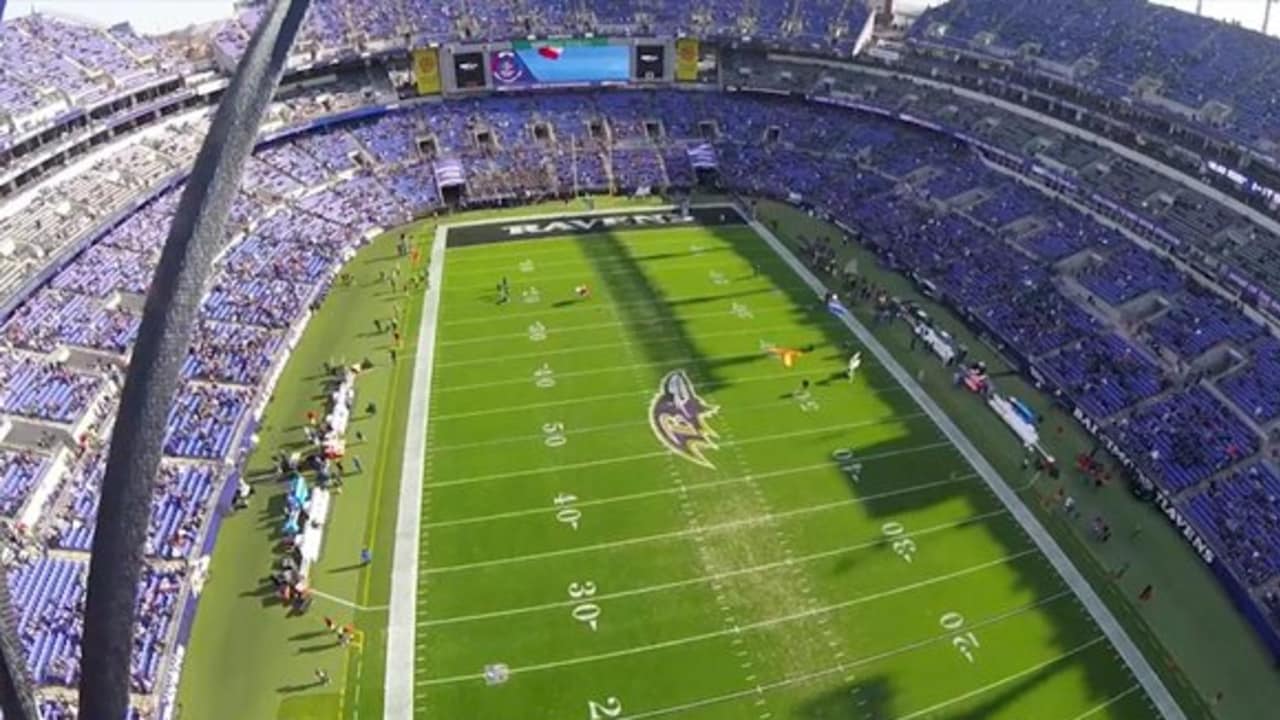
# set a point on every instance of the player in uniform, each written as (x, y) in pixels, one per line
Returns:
(855, 362)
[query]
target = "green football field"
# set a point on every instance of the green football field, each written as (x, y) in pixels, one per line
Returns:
(632, 509)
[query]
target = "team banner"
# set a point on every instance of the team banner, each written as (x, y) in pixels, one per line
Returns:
(426, 70)
(564, 61)
(687, 53)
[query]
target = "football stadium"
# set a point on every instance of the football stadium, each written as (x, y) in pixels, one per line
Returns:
(710, 359)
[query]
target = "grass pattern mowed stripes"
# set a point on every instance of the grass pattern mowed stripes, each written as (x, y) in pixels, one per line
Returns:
(616, 579)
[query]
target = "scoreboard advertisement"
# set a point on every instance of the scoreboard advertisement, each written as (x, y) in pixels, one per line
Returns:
(560, 62)
(468, 70)
(426, 71)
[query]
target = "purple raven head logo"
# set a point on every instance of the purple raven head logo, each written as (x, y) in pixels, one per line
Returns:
(679, 416)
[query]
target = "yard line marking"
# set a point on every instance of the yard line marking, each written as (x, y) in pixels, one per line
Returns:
(757, 331)
(576, 430)
(581, 261)
(767, 687)
(661, 453)
(763, 291)
(765, 567)
(1152, 683)
(541, 509)
(709, 386)
(1109, 702)
(634, 323)
(741, 522)
(348, 603)
(524, 379)
(1007, 679)
(471, 677)
(588, 268)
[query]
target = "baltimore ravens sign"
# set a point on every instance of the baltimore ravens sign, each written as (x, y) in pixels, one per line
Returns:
(679, 417)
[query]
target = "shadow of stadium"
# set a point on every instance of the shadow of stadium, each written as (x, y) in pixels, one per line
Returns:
(629, 276)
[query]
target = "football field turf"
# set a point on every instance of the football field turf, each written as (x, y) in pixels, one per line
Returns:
(632, 509)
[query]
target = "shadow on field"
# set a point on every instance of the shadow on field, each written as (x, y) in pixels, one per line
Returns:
(632, 280)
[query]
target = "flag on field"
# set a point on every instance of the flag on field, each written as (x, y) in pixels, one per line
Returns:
(551, 52)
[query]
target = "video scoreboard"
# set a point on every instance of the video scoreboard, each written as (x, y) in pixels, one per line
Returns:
(568, 62)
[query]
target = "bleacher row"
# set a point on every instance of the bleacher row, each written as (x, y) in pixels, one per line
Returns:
(1188, 59)
(309, 200)
(51, 66)
(334, 27)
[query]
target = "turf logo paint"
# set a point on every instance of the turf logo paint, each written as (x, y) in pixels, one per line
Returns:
(678, 416)
(595, 224)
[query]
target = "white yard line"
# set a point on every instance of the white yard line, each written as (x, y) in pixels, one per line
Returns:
(503, 358)
(708, 387)
(926, 712)
(731, 254)
(347, 603)
(1101, 614)
(674, 534)
(401, 627)
(763, 291)
(762, 688)
(588, 273)
(527, 379)
(699, 486)
(641, 649)
(660, 453)
(1108, 703)
(703, 579)
(725, 312)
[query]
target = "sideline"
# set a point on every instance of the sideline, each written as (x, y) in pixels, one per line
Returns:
(398, 702)
(1159, 695)
(401, 628)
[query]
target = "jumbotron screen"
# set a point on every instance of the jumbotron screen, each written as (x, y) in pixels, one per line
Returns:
(560, 62)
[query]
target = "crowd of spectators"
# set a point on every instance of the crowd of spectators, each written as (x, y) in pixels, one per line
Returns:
(1189, 59)
(293, 233)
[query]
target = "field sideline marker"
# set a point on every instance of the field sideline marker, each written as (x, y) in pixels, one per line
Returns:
(401, 646)
(1101, 614)
(398, 701)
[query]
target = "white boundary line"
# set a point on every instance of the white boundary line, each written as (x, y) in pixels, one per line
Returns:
(401, 644)
(1101, 614)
